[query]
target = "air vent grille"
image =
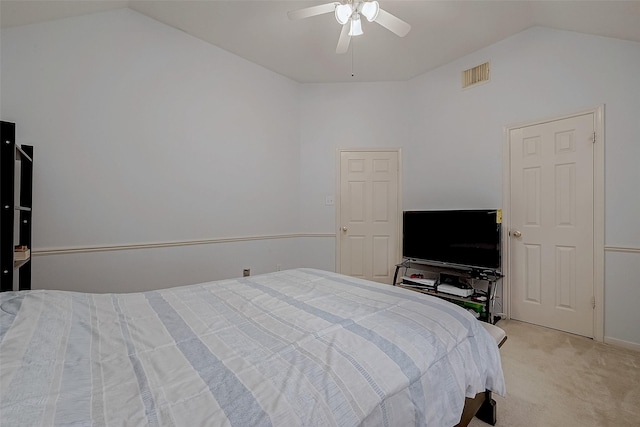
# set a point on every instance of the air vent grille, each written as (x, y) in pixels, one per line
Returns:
(475, 75)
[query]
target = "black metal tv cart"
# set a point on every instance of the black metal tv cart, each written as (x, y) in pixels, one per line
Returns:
(490, 276)
(16, 173)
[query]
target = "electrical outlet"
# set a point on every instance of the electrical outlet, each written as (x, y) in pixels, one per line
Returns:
(328, 201)
(278, 267)
(246, 272)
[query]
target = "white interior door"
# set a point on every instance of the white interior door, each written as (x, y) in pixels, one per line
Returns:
(368, 214)
(552, 224)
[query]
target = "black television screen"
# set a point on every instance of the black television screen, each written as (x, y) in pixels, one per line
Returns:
(465, 238)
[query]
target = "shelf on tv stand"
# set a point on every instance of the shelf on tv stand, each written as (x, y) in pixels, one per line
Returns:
(443, 295)
(458, 270)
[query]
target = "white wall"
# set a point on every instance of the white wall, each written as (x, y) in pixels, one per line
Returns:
(128, 270)
(539, 73)
(244, 152)
(452, 139)
(144, 134)
(334, 116)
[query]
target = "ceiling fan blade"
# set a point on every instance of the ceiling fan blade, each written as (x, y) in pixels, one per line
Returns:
(343, 41)
(393, 23)
(308, 12)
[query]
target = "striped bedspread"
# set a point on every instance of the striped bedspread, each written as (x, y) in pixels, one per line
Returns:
(292, 348)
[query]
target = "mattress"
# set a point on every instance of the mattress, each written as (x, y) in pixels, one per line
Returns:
(299, 347)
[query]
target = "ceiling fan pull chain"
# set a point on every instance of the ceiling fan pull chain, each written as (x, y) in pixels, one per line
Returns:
(353, 45)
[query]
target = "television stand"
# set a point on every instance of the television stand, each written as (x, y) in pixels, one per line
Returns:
(484, 307)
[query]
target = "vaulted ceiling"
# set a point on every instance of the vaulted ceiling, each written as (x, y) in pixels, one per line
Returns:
(304, 50)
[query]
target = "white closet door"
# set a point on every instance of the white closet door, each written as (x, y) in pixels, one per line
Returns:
(369, 214)
(552, 224)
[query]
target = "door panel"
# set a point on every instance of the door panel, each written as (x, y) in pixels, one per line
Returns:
(533, 268)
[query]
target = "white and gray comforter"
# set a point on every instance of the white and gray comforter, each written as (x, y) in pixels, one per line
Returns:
(293, 348)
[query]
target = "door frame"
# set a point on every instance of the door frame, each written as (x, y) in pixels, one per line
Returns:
(338, 199)
(598, 213)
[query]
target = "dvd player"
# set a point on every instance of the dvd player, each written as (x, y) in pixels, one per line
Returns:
(414, 281)
(454, 290)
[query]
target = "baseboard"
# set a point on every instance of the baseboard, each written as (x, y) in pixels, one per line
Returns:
(622, 343)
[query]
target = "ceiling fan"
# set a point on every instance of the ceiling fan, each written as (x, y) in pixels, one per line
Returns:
(350, 12)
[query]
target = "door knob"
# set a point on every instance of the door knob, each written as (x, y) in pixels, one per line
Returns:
(517, 233)
(344, 228)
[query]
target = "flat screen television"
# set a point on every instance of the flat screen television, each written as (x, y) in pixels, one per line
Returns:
(454, 238)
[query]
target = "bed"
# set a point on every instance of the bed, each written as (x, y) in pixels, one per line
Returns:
(299, 347)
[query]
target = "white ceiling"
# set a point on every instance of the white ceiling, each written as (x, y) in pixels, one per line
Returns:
(304, 50)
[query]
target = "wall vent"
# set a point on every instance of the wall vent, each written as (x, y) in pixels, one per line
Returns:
(475, 75)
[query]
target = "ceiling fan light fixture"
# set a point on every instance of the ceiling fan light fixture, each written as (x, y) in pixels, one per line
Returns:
(348, 12)
(343, 13)
(356, 26)
(370, 10)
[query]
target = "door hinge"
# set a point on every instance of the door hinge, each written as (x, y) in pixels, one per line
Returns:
(594, 137)
(593, 302)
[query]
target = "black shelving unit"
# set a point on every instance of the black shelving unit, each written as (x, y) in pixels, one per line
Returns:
(16, 196)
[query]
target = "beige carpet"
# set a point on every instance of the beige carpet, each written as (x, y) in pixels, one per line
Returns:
(558, 379)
